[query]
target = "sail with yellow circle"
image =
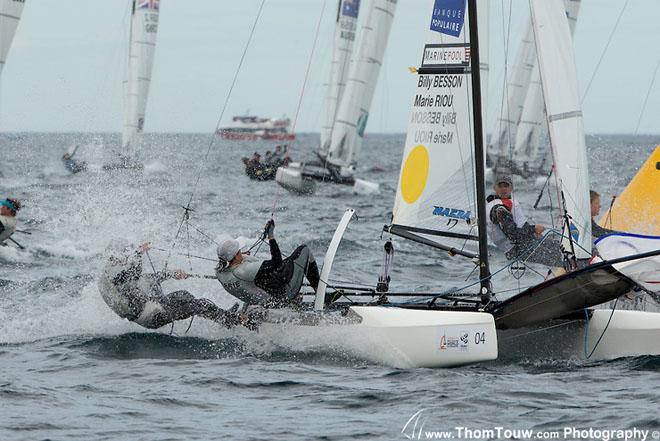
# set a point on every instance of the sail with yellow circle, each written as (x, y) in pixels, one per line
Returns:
(436, 199)
(637, 208)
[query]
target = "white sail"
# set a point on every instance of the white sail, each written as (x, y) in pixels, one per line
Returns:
(345, 32)
(515, 89)
(436, 193)
(353, 111)
(144, 28)
(532, 127)
(556, 57)
(10, 14)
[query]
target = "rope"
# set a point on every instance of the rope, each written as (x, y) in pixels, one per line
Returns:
(278, 194)
(586, 331)
(213, 137)
(646, 99)
(602, 55)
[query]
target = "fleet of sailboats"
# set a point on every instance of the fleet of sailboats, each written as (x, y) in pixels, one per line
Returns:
(357, 59)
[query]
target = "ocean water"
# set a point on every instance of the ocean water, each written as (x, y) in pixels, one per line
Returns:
(71, 369)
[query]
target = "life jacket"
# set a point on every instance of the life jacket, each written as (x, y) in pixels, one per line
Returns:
(495, 233)
(239, 281)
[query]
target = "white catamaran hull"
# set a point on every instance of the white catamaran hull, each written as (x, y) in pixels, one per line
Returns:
(628, 334)
(401, 337)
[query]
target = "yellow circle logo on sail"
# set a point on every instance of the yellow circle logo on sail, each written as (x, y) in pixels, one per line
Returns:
(414, 174)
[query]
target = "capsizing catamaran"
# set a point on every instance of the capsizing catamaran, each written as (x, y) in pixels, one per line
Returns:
(142, 47)
(356, 62)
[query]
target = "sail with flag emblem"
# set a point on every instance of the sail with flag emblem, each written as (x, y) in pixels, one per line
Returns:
(532, 127)
(142, 46)
(353, 111)
(556, 56)
(436, 200)
(10, 15)
(345, 32)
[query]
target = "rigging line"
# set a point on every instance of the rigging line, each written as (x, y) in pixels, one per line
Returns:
(586, 331)
(602, 55)
(185, 255)
(213, 136)
(646, 99)
(507, 42)
(278, 194)
(540, 330)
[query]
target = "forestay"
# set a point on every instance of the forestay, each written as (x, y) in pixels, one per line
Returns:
(142, 46)
(10, 14)
(345, 31)
(436, 194)
(556, 57)
(353, 112)
(532, 126)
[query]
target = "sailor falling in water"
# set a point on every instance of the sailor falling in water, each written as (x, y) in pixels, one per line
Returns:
(8, 210)
(271, 283)
(138, 297)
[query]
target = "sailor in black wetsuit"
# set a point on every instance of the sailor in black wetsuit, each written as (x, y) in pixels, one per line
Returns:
(271, 283)
(508, 228)
(138, 297)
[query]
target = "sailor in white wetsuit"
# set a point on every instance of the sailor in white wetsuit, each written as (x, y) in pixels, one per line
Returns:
(270, 283)
(508, 228)
(8, 210)
(138, 297)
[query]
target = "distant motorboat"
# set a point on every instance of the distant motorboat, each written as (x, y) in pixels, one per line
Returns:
(249, 127)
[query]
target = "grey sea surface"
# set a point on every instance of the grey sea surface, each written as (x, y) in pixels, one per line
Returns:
(71, 369)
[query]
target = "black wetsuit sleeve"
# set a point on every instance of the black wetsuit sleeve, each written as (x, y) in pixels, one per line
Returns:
(275, 254)
(2, 227)
(503, 217)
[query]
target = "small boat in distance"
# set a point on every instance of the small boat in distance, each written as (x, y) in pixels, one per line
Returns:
(251, 128)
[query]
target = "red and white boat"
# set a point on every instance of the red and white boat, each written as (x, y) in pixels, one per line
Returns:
(253, 127)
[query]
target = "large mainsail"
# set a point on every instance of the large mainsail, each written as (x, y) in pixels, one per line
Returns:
(353, 111)
(345, 32)
(10, 14)
(532, 126)
(436, 201)
(556, 57)
(144, 28)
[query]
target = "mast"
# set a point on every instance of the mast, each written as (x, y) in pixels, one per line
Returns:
(479, 159)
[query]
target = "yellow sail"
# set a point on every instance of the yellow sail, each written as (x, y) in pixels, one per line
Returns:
(637, 208)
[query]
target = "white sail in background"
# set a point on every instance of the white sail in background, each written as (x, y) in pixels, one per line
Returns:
(144, 28)
(532, 127)
(515, 89)
(556, 56)
(345, 32)
(436, 193)
(353, 112)
(10, 15)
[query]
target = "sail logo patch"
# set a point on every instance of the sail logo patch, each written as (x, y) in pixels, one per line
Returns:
(453, 213)
(149, 4)
(575, 233)
(350, 8)
(448, 17)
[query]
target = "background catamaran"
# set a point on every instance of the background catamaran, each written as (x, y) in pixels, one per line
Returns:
(142, 47)
(520, 134)
(353, 78)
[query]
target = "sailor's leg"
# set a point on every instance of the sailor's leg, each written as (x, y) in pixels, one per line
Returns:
(546, 253)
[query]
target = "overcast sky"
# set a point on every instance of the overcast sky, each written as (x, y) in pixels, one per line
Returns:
(66, 67)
